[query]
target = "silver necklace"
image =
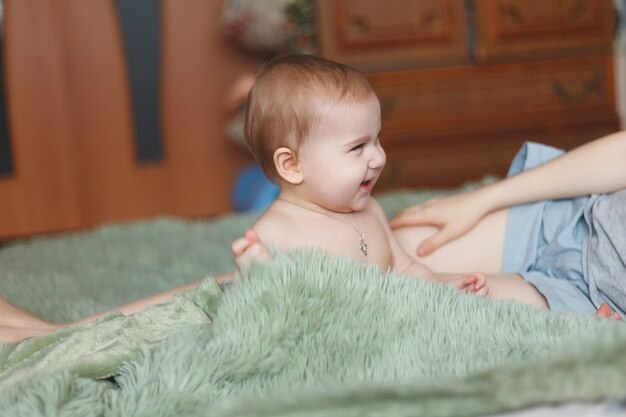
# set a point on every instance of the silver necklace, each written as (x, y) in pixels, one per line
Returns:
(362, 242)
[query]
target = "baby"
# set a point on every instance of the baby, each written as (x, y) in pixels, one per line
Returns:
(313, 125)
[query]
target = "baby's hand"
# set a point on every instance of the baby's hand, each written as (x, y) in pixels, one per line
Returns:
(249, 248)
(475, 283)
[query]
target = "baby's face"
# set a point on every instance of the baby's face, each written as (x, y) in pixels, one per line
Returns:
(342, 158)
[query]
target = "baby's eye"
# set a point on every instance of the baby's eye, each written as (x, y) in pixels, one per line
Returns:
(357, 147)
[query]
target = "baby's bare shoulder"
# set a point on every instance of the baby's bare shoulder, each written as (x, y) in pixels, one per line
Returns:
(272, 222)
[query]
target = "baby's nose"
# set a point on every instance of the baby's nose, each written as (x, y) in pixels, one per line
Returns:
(378, 159)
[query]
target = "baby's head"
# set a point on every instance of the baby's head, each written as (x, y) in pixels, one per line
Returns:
(285, 102)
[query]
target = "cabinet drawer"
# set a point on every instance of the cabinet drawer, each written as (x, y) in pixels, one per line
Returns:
(393, 34)
(440, 163)
(529, 29)
(454, 101)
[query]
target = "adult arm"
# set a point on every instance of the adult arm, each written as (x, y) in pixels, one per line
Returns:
(596, 167)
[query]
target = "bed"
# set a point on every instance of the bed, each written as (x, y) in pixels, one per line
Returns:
(303, 335)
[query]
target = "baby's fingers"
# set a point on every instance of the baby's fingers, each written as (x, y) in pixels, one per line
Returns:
(475, 283)
(250, 248)
(239, 246)
(252, 236)
(469, 279)
(481, 279)
(464, 283)
(482, 291)
(258, 252)
(245, 245)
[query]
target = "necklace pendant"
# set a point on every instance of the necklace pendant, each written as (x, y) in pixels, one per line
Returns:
(363, 244)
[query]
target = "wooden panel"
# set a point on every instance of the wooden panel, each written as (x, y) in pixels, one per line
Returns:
(450, 162)
(70, 111)
(532, 29)
(198, 168)
(421, 103)
(198, 70)
(113, 186)
(394, 34)
(41, 195)
(460, 95)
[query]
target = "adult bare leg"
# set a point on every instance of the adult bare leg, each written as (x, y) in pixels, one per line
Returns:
(13, 316)
(15, 334)
(481, 249)
(17, 323)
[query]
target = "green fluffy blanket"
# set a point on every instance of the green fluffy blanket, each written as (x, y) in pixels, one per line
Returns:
(303, 335)
(308, 334)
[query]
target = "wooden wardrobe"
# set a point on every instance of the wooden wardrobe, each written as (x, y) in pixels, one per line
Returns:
(463, 83)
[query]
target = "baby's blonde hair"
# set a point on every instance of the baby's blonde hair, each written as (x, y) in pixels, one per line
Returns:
(285, 101)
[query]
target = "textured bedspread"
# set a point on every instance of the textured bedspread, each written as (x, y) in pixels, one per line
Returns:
(308, 334)
(303, 335)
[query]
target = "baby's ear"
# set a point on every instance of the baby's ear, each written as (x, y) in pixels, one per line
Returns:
(287, 166)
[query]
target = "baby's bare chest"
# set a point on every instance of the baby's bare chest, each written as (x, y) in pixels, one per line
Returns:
(363, 241)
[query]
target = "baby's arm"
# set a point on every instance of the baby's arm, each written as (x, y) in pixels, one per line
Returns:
(402, 262)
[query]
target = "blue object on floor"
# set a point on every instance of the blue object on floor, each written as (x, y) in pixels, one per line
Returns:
(253, 191)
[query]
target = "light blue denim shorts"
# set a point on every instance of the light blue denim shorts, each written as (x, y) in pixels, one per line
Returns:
(544, 241)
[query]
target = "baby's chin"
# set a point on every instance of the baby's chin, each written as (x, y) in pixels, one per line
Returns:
(361, 203)
(358, 203)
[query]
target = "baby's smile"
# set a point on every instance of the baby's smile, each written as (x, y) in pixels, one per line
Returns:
(367, 185)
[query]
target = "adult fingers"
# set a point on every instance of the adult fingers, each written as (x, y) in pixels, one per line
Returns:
(412, 216)
(434, 242)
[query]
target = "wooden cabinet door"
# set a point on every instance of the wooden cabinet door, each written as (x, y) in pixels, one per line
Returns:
(197, 168)
(531, 29)
(393, 34)
(41, 192)
(73, 138)
(115, 184)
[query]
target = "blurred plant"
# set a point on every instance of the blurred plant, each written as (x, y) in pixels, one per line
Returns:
(300, 17)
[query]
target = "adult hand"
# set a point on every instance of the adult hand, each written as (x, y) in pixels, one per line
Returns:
(453, 215)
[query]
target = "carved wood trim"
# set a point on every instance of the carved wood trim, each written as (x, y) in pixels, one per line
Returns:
(499, 11)
(343, 19)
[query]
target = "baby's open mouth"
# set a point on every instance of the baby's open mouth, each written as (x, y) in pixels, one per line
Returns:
(366, 183)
